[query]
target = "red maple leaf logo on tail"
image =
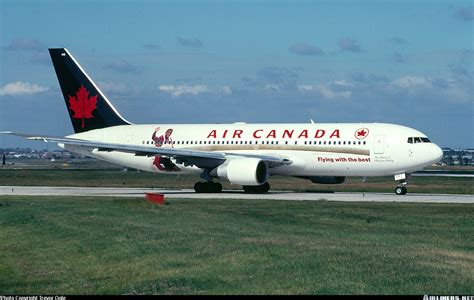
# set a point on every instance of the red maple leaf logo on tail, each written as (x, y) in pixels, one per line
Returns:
(82, 104)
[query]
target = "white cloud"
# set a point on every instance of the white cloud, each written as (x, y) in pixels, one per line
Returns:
(334, 89)
(226, 90)
(178, 90)
(305, 88)
(112, 87)
(328, 93)
(342, 82)
(21, 88)
(452, 89)
(407, 82)
(272, 87)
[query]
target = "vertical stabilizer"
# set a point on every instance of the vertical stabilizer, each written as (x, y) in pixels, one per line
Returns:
(87, 106)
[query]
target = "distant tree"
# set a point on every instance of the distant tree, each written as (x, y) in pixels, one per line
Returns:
(466, 161)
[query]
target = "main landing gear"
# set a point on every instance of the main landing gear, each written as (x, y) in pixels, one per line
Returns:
(257, 189)
(208, 187)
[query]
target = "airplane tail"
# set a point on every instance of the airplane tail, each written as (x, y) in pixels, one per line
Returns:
(87, 106)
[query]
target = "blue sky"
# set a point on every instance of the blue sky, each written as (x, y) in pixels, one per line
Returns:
(403, 62)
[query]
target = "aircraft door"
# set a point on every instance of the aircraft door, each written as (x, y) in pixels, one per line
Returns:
(129, 137)
(379, 144)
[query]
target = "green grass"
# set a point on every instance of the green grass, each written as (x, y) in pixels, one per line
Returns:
(118, 178)
(80, 245)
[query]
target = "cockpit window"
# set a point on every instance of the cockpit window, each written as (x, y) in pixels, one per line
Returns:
(416, 140)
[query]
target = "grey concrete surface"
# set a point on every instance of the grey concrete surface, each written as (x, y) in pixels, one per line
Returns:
(272, 195)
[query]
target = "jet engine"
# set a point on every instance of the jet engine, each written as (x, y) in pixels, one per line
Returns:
(243, 171)
(327, 179)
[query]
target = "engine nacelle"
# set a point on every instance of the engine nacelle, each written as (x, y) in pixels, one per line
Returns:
(244, 171)
(327, 179)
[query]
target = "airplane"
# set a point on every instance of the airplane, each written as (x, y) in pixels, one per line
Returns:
(243, 154)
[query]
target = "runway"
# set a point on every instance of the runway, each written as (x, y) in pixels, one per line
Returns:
(230, 194)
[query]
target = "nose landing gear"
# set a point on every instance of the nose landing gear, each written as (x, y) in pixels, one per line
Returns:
(401, 188)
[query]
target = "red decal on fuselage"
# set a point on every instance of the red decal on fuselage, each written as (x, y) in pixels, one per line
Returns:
(274, 134)
(212, 134)
(319, 133)
(304, 134)
(237, 133)
(255, 134)
(335, 133)
(288, 133)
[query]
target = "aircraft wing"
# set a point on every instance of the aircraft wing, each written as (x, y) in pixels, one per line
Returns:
(202, 159)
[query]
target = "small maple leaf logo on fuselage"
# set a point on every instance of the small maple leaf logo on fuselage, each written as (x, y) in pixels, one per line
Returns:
(361, 133)
(82, 104)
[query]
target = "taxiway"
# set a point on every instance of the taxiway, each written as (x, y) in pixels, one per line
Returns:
(231, 194)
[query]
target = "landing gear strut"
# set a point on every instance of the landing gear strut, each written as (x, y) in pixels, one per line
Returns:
(208, 187)
(257, 189)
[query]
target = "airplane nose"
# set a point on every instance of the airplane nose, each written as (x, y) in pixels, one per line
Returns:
(436, 153)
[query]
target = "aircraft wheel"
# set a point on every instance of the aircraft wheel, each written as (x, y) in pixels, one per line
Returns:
(216, 187)
(265, 187)
(401, 190)
(248, 188)
(207, 187)
(198, 187)
(257, 189)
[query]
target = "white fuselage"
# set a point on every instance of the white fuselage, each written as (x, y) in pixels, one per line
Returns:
(331, 149)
